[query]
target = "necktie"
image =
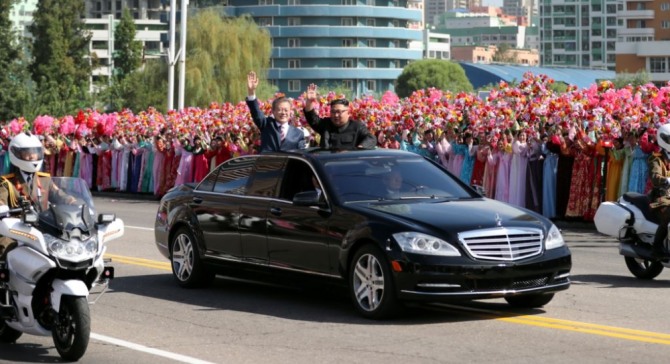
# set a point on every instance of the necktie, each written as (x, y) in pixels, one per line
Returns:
(29, 179)
(283, 133)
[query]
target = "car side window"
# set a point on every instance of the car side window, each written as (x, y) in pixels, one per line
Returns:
(266, 175)
(297, 178)
(207, 184)
(234, 175)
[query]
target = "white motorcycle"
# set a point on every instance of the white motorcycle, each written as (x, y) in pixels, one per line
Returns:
(634, 224)
(57, 264)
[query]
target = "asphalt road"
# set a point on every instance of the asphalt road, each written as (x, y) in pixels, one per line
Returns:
(607, 316)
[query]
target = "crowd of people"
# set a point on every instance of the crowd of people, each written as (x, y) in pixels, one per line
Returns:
(560, 154)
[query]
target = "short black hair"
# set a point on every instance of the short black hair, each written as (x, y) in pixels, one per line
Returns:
(343, 102)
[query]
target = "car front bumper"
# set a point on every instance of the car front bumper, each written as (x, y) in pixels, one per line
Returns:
(427, 281)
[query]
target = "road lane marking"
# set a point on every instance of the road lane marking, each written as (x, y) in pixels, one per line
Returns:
(139, 228)
(148, 350)
(559, 324)
(567, 325)
(140, 261)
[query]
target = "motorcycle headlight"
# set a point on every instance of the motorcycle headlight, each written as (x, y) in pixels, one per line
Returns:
(554, 239)
(61, 248)
(413, 242)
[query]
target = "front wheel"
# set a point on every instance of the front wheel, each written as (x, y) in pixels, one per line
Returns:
(644, 269)
(7, 334)
(72, 328)
(187, 267)
(371, 284)
(530, 300)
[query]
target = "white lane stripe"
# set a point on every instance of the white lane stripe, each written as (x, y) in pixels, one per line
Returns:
(139, 228)
(142, 348)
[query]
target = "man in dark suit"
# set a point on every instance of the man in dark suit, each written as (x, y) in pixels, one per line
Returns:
(276, 132)
(337, 131)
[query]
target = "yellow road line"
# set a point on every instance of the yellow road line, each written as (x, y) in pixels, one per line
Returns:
(139, 261)
(539, 321)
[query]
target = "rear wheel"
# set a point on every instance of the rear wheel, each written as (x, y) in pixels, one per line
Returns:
(72, 328)
(530, 300)
(187, 267)
(644, 269)
(371, 284)
(7, 334)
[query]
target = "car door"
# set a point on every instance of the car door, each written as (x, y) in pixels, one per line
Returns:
(261, 190)
(216, 204)
(298, 235)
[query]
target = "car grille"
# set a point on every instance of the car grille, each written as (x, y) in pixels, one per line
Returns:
(491, 284)
(504, 244)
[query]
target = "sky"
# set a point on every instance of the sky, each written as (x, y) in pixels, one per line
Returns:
(492, 2)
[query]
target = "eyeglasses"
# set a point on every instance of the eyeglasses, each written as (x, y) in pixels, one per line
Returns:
(338, 111)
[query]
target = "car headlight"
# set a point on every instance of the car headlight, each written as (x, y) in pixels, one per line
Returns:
(554, 239)
(413, 242)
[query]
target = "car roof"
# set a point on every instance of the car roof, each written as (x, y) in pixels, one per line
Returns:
(325, 155)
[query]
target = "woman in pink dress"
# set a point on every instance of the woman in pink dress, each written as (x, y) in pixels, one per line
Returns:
(517, 172)
(491, 169)
(504, 159)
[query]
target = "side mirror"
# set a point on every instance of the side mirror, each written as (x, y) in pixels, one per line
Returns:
(308, 198)
(106, 218)
(479, 189)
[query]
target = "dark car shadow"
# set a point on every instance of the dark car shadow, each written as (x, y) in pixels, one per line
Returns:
(612, 281)
(301, 301)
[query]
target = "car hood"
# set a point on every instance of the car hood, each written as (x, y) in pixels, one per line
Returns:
(459, 215)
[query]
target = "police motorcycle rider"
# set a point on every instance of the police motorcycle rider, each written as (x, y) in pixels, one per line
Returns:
(659, 171)
(26, 155)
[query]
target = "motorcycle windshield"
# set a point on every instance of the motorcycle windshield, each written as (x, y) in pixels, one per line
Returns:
(70, 207)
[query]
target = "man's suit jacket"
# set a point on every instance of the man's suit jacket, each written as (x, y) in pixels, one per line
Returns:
(271, 132)
(355, 133)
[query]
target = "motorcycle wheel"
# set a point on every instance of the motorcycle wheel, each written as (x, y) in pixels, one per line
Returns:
(187, 268)
(7, 334)
(72, 328)
(644, 269)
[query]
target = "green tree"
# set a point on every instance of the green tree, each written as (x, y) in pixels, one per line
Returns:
(441, 74)
(143, 88)
(127, 50)
(638, 78)
(61, 65)
(221, 50)
(14, 90)
(503, 55)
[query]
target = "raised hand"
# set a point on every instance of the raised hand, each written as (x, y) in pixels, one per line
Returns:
(310, 97)
(252, 83)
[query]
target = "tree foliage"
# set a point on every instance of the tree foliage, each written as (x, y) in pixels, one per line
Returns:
(14, 91)
(441, 74)
(638, 78)
(61, 66)
(143, 88)
(127, 50)
(503, 54)
(221, 50)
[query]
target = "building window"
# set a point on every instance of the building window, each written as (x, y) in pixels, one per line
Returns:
(293, 63)
(395, 23)
(265, 2)
(396, 63)
(264, 22)
(657, 65)
(293, 2)
(348, 84)
(372, 43)
(370, 22)
(347, 22)
(292, 21)
(348, 2)
(293, 42)
(348, 42)
(665, 24)
(395, 43)
(372, 63)
(347, 63)
(665, 6)
(294, 85)
(371, 85)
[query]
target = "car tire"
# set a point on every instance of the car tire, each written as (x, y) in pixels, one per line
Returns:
(530, 300)
(644, 269)
(371, 285)
(187, 266)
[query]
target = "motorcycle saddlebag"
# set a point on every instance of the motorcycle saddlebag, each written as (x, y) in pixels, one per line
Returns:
(611, 217)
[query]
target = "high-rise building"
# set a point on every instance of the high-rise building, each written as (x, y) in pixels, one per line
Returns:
(579, 33)
(21, 16)
(435, 8)
(643, 43)
(337, 42)
(139, 9)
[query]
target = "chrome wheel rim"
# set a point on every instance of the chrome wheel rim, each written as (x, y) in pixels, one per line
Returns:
(368, 282)
(182, 257)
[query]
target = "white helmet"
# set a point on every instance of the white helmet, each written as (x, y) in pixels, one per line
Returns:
(663, 137)
(26, 152)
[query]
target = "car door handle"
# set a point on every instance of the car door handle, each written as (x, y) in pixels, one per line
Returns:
(197, 199)
(275, 211)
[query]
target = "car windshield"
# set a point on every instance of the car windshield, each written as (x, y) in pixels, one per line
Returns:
(391, 178)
